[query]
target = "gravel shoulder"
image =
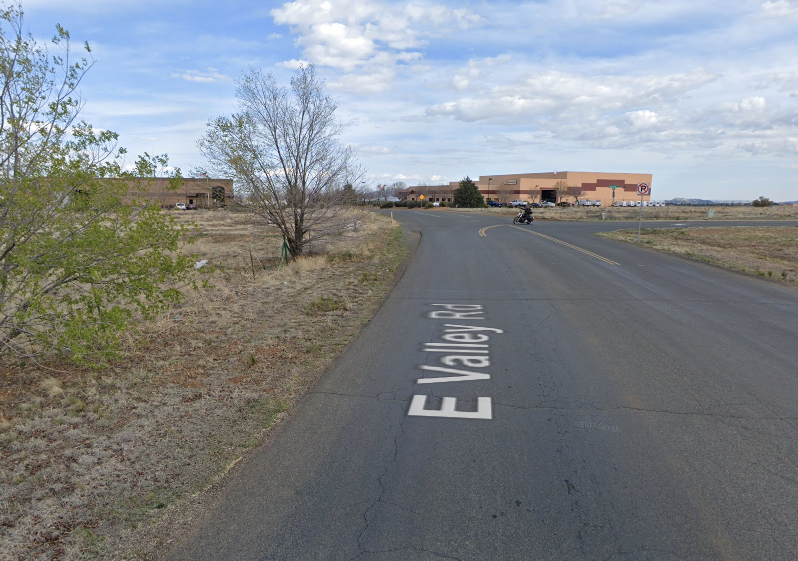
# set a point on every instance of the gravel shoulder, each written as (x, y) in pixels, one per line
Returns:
(93, 461)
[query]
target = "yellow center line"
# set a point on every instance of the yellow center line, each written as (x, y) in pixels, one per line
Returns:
(566, 244)
(482, 231)
(586, 252)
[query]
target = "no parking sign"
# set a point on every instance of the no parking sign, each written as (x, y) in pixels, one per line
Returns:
(643, 189)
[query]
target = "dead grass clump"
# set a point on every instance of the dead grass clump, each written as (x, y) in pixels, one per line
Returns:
(52, 386)
(324, 304)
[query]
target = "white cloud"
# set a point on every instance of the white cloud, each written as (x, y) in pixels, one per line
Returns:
(368, 37)
(617, 9)
(207, 76)
(370, 149)
(464, 76)
(293, 64)
(780, 9)
(550, 93)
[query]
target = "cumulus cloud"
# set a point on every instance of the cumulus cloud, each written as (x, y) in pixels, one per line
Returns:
(366, 36)
(462, 79)
(559, 93)
(293, 64)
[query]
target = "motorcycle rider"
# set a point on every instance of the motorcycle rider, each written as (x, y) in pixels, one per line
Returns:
(528, 213)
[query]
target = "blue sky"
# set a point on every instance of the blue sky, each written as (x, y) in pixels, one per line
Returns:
(703, 95)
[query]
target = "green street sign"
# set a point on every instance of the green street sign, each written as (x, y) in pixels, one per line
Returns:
(614, 187)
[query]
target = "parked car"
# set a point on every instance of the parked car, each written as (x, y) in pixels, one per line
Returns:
(436, 203)
(494, 203)
(180, 206)
(517, 202)
(191, 206)
(536, 205)
(563, 203)
(548, 204)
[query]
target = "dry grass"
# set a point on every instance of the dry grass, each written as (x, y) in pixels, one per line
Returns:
(89, 456)
(768, 252)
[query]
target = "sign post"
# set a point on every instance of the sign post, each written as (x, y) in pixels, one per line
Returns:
(613, 187)
(642, 189)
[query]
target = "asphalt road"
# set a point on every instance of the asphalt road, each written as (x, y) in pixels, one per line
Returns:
(612, 403)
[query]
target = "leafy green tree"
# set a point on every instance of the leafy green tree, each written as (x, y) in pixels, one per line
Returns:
(468, 195)
(83, 254)
(762, 201)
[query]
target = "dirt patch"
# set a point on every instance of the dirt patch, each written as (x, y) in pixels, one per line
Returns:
(87, 456)
(767, 252)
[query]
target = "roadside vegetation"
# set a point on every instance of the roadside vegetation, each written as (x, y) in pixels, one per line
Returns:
(766, 252)
(91, 458)
(143, 351)
(83, 256)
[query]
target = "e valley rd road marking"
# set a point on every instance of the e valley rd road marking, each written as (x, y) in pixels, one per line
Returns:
(464, 346)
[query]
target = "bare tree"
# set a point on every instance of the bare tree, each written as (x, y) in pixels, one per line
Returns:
(504, 191)
(561, 188)
(534, 193)
(575, 192)
(392, 189)
(283, 149)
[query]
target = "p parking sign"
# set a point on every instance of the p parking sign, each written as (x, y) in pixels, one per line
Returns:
(643, 189)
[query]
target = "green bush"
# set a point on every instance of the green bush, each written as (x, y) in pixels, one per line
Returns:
(443, 204)
(389, 204)
(427, 204)
(412, 204)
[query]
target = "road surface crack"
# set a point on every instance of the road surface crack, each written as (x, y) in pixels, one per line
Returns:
(381, 482)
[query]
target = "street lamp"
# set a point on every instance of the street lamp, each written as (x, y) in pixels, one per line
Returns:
(489, 188)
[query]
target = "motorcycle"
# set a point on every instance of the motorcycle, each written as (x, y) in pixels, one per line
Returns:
(523, 217)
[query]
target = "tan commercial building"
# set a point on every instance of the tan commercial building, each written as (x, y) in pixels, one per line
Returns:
(555, 187)
(200, 192)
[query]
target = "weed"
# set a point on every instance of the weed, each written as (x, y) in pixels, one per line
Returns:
(784, 275)
(324, 304)
(760, 273)
(251, 360)
(313, 348)
(770, 274)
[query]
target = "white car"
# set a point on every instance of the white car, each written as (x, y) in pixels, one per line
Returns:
(180, 206)
(548, 204)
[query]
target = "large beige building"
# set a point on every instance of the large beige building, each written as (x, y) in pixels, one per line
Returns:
(200, 192)
(555, 187)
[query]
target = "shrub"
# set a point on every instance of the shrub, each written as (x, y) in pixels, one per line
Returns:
(443, 204)
(427, 204)
(412, 204)
(389, 204)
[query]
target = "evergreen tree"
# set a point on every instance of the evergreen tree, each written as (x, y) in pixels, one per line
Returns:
(467, 195)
